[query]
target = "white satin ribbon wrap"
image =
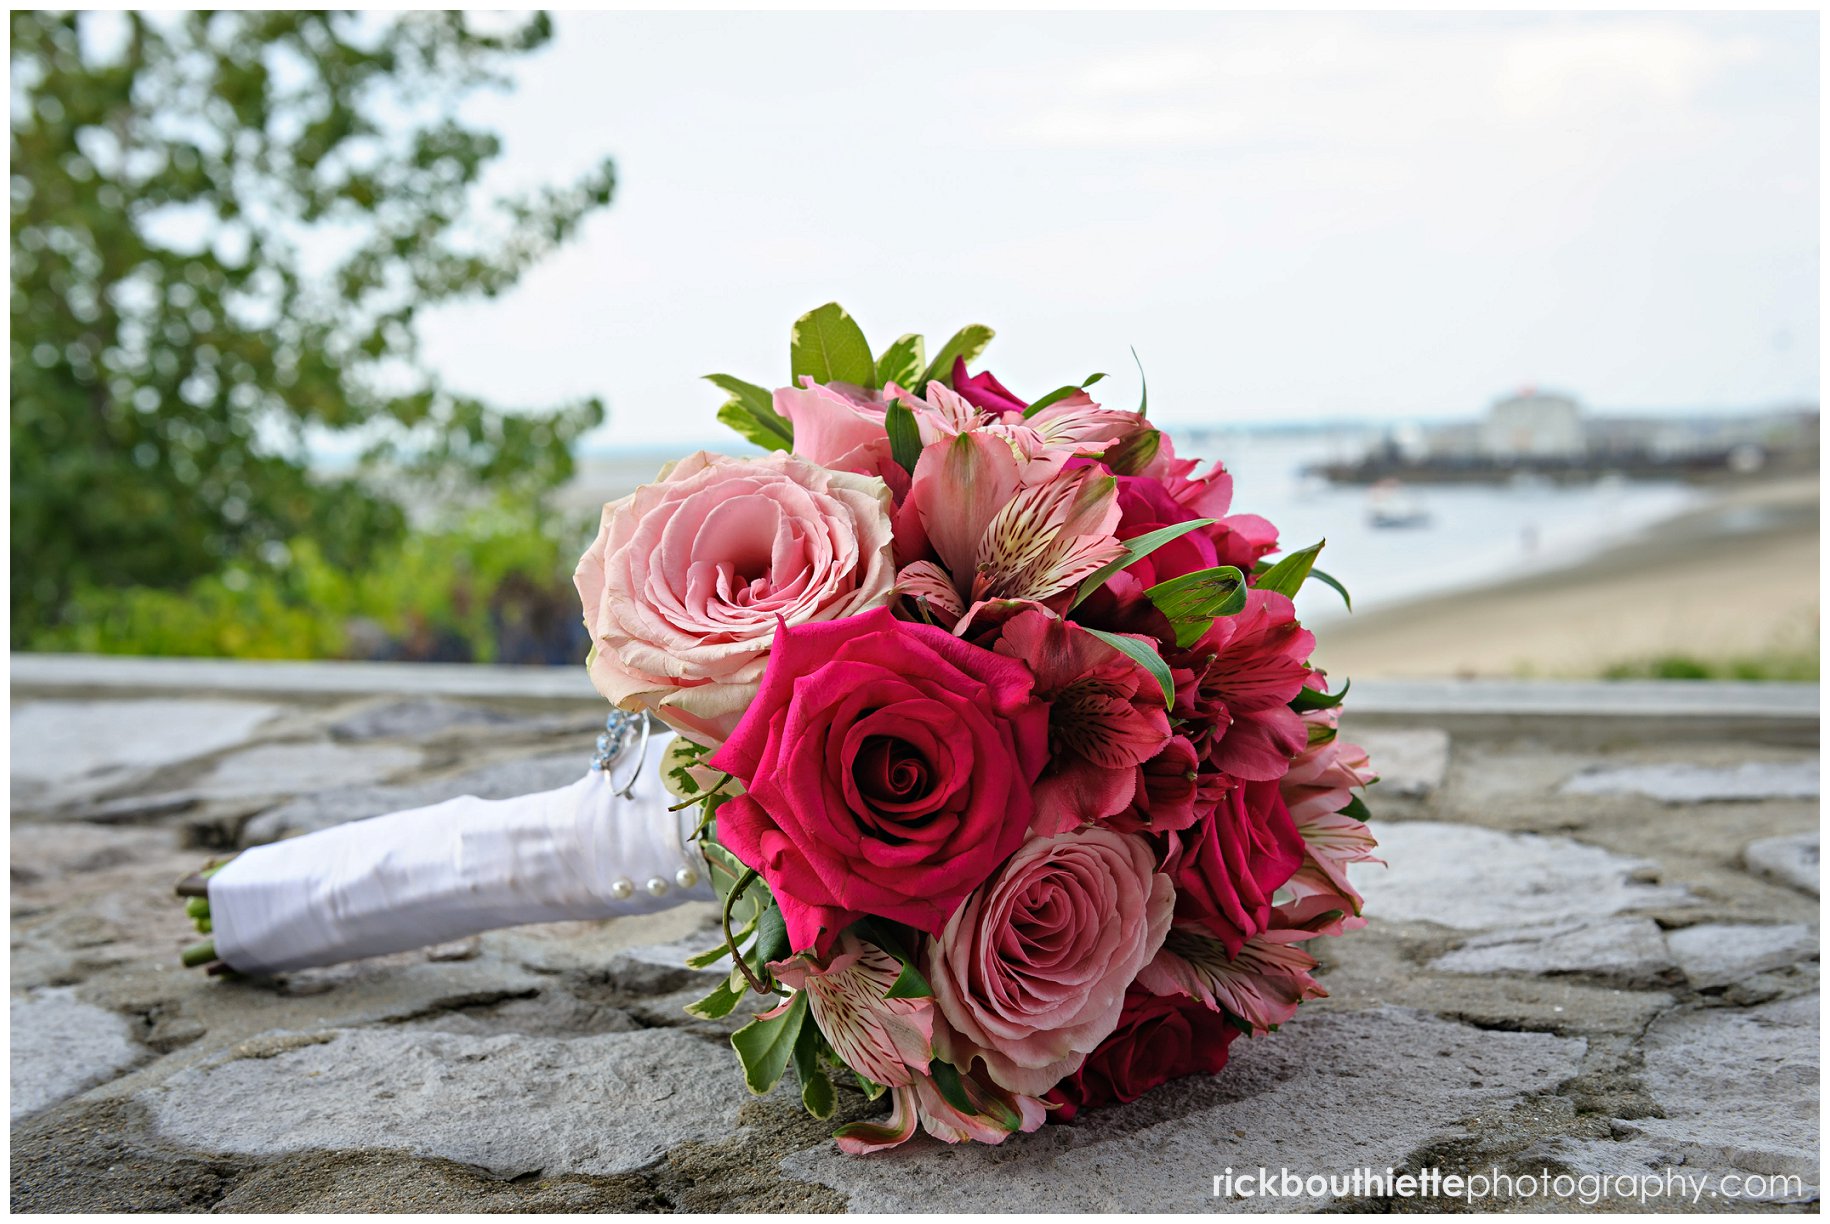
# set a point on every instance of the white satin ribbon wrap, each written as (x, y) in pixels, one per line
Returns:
(409, 879)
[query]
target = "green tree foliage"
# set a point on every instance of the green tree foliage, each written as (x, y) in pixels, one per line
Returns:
(223, 227)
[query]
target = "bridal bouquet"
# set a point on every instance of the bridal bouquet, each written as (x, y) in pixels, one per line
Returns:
(997, 744)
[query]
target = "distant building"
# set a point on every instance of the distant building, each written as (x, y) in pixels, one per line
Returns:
(1534, 424)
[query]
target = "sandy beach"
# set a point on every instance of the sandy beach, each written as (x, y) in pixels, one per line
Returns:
(1734, 579)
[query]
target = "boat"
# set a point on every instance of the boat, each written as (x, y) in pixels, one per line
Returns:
(1390, 504)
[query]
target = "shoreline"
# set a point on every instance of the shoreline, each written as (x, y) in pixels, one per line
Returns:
(1734, 578)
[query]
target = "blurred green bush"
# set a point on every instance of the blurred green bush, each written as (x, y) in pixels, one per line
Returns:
(494, 587)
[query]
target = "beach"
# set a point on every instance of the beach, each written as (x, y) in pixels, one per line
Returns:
(1733, 579)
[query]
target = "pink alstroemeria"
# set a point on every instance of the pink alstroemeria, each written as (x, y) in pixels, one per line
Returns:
(1258, 660)
(1263, 985)
(999, 1114)
(888, 1041)
(1106, 719)
(998, 538)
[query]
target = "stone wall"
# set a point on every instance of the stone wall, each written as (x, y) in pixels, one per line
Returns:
(1594, 951)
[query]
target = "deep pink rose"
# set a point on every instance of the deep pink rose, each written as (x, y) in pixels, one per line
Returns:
(887, 769)
(983, 391)
(1031, 972)
(1159, 1038)
(1228, 864)
(689, 577)
(1106, 717)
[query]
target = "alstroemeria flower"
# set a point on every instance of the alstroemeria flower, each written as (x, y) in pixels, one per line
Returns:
(1262, 984)
(888, 1041)
(998, 1114)
(998, 538)
(1257, 661)
(1106, 718)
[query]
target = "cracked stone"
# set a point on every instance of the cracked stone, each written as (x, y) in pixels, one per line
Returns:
(341, 804)
(1411, 763)
(1475, 879)
(1387, 1082)
(1789, 860)
(1681, 783)
(413, 718)
(512, 1104)
(289, 769)
(68, 750)
(1722, 953)
(1627, 951)
(60, 1046)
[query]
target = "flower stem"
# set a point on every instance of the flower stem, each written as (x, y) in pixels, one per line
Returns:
(199, 954)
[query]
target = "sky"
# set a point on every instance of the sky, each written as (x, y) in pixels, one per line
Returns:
(1291, 217)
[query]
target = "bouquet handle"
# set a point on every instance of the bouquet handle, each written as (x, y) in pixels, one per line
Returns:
(410, 879)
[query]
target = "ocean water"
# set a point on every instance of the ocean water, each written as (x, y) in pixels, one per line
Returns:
(1476, 535)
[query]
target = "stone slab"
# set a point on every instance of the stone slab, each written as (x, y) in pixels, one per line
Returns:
(1790, 860)
(1625, 951)
(1475, 879)
(1722, 953)
(1411, 762)
(413, 718)
(510, 1103)
(1739, 1087)
(1331, 1091)
(66, 750)
(289, 769)
(340, 804)
(60, 1046)
(1681, 783)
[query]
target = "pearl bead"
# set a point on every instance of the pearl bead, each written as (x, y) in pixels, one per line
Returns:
(621, 889)
(686, 877)
(657, 887)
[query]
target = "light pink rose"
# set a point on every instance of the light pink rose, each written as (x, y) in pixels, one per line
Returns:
(1031, 972)
(690, 577)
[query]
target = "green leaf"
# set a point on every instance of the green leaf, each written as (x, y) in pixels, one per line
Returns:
(771, 937)
(1060, 393)
(967, 343)
(1192, 601)
(909, 984)
(764, 1045)
(1321, 733)
(829, 346)
(717, 1005)
(905, 438)
(1286, 577)
(1143, 386)
(1356, 809)
(1331, 580)
(752, 413)
(1136, 549)
(1146, 656)
(870, 1087)
(952, 1090)
(1309, 699)
(816, 1086)
(902, 362)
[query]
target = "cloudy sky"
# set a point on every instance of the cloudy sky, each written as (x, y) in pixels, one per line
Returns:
(1327, 216)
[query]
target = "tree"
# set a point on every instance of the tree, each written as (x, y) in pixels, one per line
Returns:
(223, 227)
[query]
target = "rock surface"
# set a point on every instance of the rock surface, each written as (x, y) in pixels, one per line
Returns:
(1789, 860)
(1677, 783)
(1590, 981)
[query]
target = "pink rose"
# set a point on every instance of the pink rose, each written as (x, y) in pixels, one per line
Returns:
(1030, 974)
(689, 578)
(841, 428)
(1228, 865)
(887, 769)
